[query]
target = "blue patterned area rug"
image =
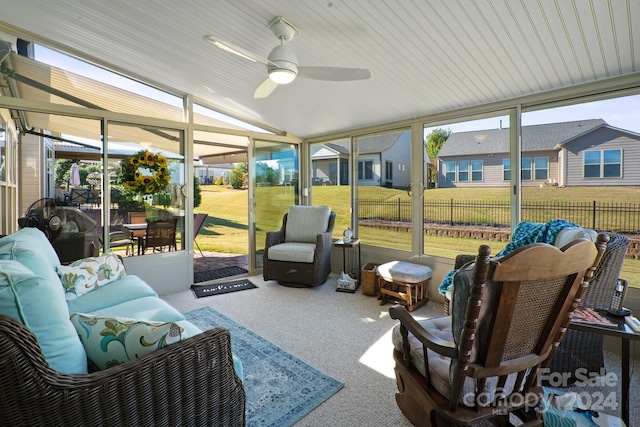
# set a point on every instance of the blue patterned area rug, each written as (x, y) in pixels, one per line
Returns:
(280, 388)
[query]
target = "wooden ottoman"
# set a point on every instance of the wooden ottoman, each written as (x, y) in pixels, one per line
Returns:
(404, 281)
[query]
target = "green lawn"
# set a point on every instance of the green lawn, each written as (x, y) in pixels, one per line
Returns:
(225, 230)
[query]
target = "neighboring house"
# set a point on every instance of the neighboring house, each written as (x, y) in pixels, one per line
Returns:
(383, 160)
(578, 153)
(207, 173)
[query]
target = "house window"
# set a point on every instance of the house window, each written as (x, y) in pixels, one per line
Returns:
(525, 169)
(388, 171)
(506, 169)
(463, 171)
(450, 171)
(476, 170)
(603, 164)
(365, 169)
(541, 168)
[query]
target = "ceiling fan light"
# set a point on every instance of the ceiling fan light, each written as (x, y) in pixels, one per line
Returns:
(282, 76)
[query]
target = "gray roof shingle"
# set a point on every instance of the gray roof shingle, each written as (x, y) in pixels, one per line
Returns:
(368, 144)
(534, 138)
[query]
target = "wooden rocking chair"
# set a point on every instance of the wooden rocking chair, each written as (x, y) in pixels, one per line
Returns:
(508, 317)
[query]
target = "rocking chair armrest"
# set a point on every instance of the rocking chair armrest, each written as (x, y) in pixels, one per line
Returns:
(194, 373)
(428, 340)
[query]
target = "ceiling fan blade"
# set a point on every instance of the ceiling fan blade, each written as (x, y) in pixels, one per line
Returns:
(265, 88)
(335, 74)
(236, 50)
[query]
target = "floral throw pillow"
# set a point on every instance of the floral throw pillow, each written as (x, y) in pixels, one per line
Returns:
(87, 274)
(110, 341)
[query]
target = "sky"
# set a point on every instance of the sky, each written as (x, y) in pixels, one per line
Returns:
(622, 112)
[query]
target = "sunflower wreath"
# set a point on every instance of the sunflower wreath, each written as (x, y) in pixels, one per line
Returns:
(145, 172)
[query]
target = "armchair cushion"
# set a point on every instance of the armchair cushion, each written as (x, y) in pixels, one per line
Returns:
(292, 252)
(40, 305)
(87, 274)
(111, 341)
(304, 223)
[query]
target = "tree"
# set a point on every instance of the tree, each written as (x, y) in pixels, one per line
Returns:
(237, 175)
(62, 168)
(197, 192)
(435, 141)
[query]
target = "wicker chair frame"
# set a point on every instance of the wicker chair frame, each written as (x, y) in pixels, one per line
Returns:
(581, 349)
(299, 273)
(190, 383)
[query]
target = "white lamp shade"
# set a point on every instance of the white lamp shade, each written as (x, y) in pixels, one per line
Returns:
(282, 65)
(282, 76)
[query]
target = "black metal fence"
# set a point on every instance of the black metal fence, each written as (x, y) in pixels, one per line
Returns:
(615, 217)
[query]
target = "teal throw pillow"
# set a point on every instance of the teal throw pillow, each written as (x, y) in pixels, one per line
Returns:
(87, 274)
(110, 341)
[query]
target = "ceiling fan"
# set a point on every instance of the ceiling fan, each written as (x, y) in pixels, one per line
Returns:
(282, 63)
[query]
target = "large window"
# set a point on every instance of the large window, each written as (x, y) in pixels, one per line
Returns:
(450, 171)
(463, 171)
(388, 171)
(603, 164)
(476, 170)
(541, 165)
(525, 169)
(506, 169)
(384, 207)
(586, 183)
(331, 179)
(470, 194)
(365, 170)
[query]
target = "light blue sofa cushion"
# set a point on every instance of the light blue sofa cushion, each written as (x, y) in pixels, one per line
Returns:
(32, 300)
(145, 308)
(32, 249)
(124, 289)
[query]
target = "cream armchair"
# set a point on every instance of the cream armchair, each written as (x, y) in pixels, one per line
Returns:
(299, 253)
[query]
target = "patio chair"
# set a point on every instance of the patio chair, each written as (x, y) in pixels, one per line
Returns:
(508, 316)
(299, 254)
(138, 235)
(121, 238)
(79, 196)
(198, 221)
(159, 234)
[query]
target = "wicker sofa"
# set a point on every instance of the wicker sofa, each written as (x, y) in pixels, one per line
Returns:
(47, 380)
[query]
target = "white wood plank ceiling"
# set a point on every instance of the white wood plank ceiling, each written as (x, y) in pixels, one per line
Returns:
(425, 56)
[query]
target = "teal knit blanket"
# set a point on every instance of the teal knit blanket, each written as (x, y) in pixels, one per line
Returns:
(524, 234)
